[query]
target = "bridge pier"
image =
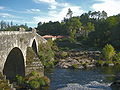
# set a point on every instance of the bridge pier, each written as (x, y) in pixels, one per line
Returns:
(33, 63)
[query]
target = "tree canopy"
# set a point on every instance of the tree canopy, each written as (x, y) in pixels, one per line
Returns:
(8, 26)
(94, 28)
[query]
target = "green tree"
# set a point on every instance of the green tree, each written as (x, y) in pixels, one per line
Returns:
(117, 57)
(88, 28)
(85, 18)
(72, 35)
(103, 15)
(3, 25)
(69, 14)
(6, 26)
(51, 28)
(101, 35)
(15, 28)
(108, 52)
(73, 25)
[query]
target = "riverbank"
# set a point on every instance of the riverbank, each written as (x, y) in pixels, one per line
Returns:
(78, 59)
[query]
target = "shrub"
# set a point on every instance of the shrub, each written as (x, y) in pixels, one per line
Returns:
(108, 62)
(75, 66)
(34, 80)
(116, 62)
(117, 57)
(108, 52)
(4, 84)
(35, 73)
(49, 64)
(46, 80)
(34, 84)
(64, 54)
(100, 62)
(20, 79)
(41, 82)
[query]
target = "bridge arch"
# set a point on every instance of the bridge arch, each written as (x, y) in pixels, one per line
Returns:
(34, 46)
(14, 64)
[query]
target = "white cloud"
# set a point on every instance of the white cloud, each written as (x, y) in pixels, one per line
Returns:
(52, 7)
(1, 7)
(52, 3)
(33, 10)
(4, 15)
(112, 7)
(41, 19)
(27, 11)
(77, 11)
(45, 1)
(55, 15)
(57, 11)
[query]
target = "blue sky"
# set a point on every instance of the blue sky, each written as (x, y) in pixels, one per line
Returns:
(34, 11)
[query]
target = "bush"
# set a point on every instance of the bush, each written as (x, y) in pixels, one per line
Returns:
(38, 82)
(49, 64)
(35, 73)
(34, 84)
(20, 80)
(4, 84)
(64, 54)
(100, 62)
(107, 63)
(46, 80)
(116, 62)
(75, 66)
(41, 82)
(108, 52)
(33, 81)
(117, 57)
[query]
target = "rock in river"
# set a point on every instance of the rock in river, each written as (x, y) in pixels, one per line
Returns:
(115, 85)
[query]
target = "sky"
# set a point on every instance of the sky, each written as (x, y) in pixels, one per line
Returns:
(34, 11)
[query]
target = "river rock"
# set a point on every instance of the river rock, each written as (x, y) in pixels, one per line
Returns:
(65, 65)
(69, 62)
(76, 59)
(115, 85)
(80, 67)
(90, 66)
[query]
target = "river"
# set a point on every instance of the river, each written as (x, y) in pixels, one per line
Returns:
(85, 79)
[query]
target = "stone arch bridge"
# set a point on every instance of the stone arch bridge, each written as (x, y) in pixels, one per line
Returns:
(13, 47)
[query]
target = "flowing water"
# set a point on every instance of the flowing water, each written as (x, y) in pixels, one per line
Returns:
(85, 79)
